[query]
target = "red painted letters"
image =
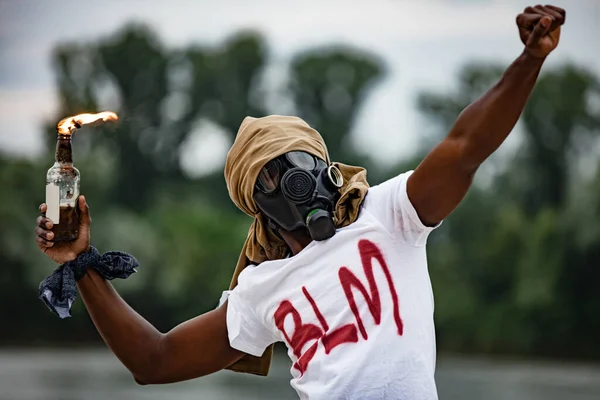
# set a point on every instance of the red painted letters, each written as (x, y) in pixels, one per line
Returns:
(343, 334)
(304, 333)
(368, 251)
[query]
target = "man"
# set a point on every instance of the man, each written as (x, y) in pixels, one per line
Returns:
(331, 267)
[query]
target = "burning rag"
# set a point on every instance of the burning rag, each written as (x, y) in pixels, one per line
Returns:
(58, 291)
(258, 141)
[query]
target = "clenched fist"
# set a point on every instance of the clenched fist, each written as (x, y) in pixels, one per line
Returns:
(61, 252)
(539, 28)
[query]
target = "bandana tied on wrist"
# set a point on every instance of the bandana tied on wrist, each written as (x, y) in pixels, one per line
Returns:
(58, 291)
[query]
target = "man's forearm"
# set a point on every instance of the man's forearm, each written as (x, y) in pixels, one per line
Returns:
(484, 125)
(133, 339)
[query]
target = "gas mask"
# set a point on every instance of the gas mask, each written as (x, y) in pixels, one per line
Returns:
(299, 191)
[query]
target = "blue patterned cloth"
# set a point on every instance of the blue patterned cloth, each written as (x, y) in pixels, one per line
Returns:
(59, 290)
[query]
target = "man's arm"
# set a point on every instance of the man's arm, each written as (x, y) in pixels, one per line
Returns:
(442, 179)
(195, 348)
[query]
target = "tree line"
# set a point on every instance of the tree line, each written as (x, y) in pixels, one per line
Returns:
(514, 269)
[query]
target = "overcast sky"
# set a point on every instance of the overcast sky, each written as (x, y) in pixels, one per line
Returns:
(424, 44)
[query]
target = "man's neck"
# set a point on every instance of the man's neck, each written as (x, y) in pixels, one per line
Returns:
(296, 240)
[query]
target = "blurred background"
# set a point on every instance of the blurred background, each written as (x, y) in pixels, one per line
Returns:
(515, 269)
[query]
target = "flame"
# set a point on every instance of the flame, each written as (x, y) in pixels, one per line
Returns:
(67, 125)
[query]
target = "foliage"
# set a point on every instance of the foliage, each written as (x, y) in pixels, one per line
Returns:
(510, 271)
(513, 269)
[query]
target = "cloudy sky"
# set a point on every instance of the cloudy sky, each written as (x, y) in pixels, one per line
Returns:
(424, 44)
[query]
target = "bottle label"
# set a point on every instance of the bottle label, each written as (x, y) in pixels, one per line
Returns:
(53, 203)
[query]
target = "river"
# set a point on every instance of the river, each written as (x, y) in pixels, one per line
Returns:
(95, 374)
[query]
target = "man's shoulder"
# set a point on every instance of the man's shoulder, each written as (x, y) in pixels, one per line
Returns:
(253, 271)
(393, 181)
(384, 191)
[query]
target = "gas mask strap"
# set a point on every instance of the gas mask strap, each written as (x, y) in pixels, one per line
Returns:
(274, 227)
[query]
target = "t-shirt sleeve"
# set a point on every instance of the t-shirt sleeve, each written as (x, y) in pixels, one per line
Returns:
(388, 202)
(246, 331)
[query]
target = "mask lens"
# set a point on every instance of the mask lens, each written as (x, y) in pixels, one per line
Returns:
(302, 160)
(270, 174)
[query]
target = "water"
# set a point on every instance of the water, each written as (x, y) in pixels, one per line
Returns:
(97, 374)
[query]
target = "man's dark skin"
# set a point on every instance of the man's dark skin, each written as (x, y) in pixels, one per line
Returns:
(200, 346)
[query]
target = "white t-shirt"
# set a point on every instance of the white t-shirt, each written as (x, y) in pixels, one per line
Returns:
(355, 311)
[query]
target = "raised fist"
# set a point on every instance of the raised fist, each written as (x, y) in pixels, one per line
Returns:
(539, 28)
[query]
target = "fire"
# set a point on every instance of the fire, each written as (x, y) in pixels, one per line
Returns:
(67, 125)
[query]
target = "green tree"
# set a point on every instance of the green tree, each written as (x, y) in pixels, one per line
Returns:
(513, 267)
(162, 93)
(560, 128)
(329, 88)
(185, 233)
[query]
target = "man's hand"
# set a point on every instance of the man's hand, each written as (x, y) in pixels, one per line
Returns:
(539, 28)
(61, 252)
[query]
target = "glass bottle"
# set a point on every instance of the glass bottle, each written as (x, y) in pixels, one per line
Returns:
(62, 192)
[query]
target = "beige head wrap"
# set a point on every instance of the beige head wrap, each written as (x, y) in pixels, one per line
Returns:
(258, 141)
